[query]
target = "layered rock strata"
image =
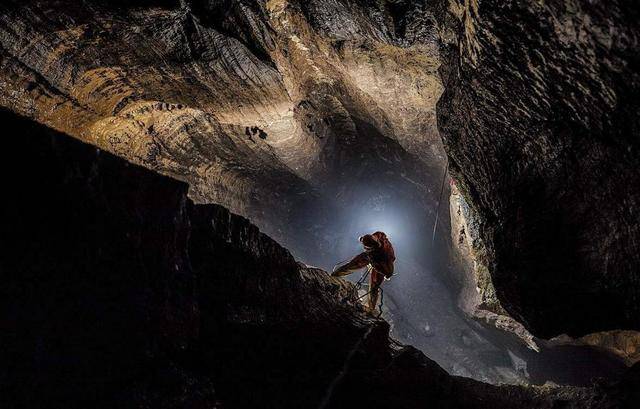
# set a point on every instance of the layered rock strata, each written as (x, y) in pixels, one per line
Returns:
(270, 108)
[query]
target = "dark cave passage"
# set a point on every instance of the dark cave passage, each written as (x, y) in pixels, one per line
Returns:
(215, 158)
(421, 302)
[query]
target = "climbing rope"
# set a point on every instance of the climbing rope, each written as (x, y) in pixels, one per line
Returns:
(435, 224)
(381, 299)
(364, 277)
(358, 286)
(359, 283)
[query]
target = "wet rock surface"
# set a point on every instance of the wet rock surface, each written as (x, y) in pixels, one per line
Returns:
(540, 121)
(119, 291)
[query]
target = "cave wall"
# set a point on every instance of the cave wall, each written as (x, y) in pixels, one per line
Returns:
(173, 86)
(338, 90)
(540, 121)
(118, 291)
(150, 82)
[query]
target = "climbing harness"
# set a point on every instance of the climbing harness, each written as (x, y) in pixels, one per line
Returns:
(359, 284)
(435, 224)
(362, 279)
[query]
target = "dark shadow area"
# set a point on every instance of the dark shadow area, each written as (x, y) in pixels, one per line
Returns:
(119, 292)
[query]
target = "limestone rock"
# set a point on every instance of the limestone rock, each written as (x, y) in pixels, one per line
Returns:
(540, 120)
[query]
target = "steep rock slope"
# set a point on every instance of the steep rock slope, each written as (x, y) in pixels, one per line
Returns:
(121, 292)
(540, 120)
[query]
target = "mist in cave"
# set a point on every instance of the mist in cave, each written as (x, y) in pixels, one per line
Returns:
(421, 299)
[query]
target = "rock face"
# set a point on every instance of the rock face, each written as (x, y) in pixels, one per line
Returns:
(120, 292)
(540, 119)
(477, 295)
(278, 110)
